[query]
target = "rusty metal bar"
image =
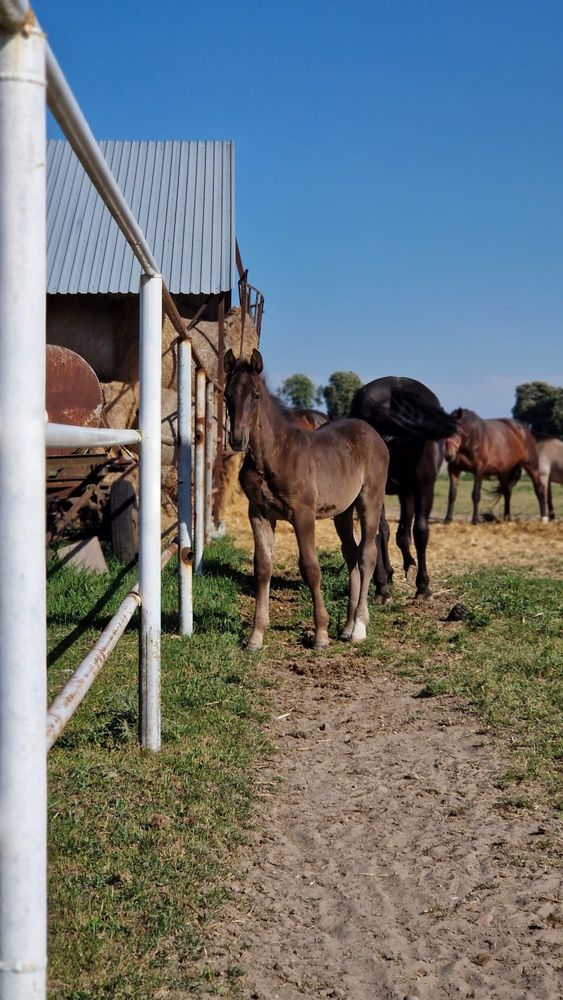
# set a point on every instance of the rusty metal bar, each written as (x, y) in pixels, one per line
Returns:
(73, 693)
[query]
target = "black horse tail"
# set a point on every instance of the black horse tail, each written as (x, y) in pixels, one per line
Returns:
(515, 474)
(418, 418)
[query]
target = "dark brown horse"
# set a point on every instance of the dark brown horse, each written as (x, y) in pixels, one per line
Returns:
(290, 474)
(309, 420)
(500, 448)
(412, 423)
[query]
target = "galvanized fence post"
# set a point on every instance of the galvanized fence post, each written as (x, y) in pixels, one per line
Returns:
(185, 552)
(149, 508)
(23, 769)
(199, 484)
(209, 452)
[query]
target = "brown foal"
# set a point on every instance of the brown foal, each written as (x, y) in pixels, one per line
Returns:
(294, 475)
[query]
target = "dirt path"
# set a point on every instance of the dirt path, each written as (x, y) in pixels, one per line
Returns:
(384, 865)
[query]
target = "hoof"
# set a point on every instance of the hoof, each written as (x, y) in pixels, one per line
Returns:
(360, 632)
(410, 575)
(545, 520)
(383, 599)
(319, 646)
(423, 595)
(345, 636)
(253, 647)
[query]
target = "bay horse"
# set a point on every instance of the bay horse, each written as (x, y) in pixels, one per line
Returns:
(550, 460)
(413, 424)
(492, 447)
(295, 475)
(309, 420)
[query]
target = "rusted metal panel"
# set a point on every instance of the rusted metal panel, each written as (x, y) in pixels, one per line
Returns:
(73, 393)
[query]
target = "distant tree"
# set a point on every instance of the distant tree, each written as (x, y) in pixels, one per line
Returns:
(339, 392)
(540, 406)
(298, 391)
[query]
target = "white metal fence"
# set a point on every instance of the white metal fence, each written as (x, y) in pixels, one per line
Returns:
(28, 73)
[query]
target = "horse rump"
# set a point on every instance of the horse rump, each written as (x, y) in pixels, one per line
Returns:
(404, 414)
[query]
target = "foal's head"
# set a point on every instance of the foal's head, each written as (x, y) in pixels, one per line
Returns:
(454, 442)
(243, 390)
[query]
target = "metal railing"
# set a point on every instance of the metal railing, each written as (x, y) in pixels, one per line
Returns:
(28, 73)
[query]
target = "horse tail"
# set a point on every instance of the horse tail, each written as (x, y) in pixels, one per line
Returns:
(414, 417)
(514, 476)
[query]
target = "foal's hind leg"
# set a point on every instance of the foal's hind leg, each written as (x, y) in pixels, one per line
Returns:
(263, 530)
(304, 525)
(368, 505)
(344, 524)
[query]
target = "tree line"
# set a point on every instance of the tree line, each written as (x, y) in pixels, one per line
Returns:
(539, 405)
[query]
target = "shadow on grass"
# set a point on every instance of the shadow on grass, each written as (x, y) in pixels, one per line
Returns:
(92, 620)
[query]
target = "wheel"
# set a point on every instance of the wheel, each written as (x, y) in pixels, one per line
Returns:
(124, 520)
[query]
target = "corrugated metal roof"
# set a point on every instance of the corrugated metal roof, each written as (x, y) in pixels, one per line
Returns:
(182, 195)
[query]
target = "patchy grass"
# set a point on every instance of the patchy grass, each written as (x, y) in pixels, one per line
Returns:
(140, 843)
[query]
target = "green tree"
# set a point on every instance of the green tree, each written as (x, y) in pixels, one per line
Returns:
(339, 392)
(540, 406)
(298, 391)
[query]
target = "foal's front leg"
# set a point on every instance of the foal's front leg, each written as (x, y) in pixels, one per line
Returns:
(263, 529)
(304, 526)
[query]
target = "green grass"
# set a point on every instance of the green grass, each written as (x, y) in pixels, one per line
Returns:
(524, 502)
(140, 844)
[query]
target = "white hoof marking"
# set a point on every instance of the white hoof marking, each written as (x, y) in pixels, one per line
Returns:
(359, 633)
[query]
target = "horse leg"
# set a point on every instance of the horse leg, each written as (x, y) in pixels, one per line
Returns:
(304, 526)
(423, 507)
(506, 490)
(476, 496)
(403, 536)
(383, 573)
(551, 508)
(454, 480)
(344, 525)
(263, 529)
(532, 469)
(369, 513)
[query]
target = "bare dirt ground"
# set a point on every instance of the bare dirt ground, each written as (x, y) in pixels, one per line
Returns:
(385, 863)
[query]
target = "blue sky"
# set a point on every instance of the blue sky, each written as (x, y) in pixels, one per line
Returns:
(399, 181)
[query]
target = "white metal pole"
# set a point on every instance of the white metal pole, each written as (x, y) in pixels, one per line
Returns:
(150, 351)
(199, 484)
(209, 453)
(23, 779)
(185, 555)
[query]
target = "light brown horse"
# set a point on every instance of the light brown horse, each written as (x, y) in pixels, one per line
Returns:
(550, 456)
(290, 474)
(498, 448)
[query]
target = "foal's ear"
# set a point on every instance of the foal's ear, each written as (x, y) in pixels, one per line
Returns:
(256, 362)
(229, 362)
(457, 414)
